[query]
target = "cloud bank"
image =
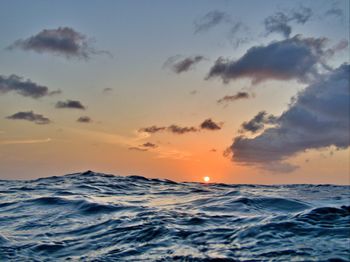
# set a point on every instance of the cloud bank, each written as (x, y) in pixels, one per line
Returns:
(318, 117)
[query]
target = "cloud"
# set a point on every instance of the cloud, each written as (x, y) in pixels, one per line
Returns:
(107, 90)
(210, 125)
(74, 104)
(335, 11)
(24, 141)
(30, 116)
(181, 130)
(63, 41)
(317, 118)
(14, 83)
(179, 66)
(135, 148)
(258, 122)
(293, 58)
(210, 20)
(280, 21)
(207, 124)
(238, 32)
(84, 119)
(239, 95)
(149, 145)
(152, 129)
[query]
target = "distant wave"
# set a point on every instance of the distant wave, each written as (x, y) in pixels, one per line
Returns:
(97, 217)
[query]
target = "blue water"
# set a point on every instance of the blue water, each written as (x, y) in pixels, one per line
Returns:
(96, 217)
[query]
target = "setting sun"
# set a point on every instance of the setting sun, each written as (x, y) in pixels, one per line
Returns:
(206, 179)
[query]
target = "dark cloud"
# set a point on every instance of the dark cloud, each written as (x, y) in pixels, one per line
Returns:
(180, 65)
(239, 95)
(30, 116)
(63, 41)
(318, 117)
(17, 84)
(258, 122)
(84, 119)
(193, 92)
(149, 145)
(210, 20)
(172, 128)
(280, 21)
(207, 124)
(293, 58)
(152, 129)
(210, 125)
(135, 148)
(181, 130)
(74, 104)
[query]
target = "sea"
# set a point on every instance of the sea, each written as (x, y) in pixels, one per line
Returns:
(91, 216)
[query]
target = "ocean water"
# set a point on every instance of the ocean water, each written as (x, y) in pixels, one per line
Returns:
(97, 217)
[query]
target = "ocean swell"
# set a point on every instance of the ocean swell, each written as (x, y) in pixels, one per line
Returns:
(97, 217)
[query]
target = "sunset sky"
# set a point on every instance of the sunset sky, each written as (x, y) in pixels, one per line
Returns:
(240, 91)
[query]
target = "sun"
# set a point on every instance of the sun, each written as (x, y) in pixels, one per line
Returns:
(206, 179)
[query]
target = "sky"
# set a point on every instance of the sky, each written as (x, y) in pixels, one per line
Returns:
(252, 92)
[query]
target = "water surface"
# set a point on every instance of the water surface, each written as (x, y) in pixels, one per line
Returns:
(97, 217)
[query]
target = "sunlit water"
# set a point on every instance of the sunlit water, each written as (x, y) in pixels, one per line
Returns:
(96, 217)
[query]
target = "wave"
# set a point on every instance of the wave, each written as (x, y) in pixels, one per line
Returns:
(100, 217)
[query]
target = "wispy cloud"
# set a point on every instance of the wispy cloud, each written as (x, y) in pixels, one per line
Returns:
(180, 65)
(107, 90)
(280, 21)
(237, 32)
(237, 96)
(30, 116)
(24, 141)
(63, 41)
(17, 84)
(72, 104)
(149, 145)
(135, 148)
(210, 20)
